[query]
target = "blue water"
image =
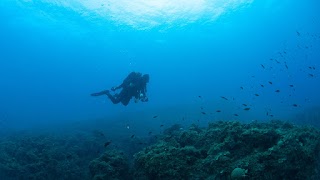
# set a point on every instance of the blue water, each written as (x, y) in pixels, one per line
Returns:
(209, 60)
(54, 55)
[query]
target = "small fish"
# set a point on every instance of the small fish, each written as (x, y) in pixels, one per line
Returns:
(107, 143)
(246, 109)
(313, 68)
(262, 66)
(235, 114)
(150, 132)
(277, 91)
(98, 133)
(310, 67)
(271, 115)
(218, 111)
(132, 136)
(277, 61)
(224, 97)
(270, 82)
(261, 85)
(286, 65)
(298, 33)
(311, 75)
(295, 105)
(267, 114)
(200, 96)
(256, 94)
(244, 104)
(161, 125)
(203, 113)
(201, 107)
(69, 156)
(155, 116)
(291, 85)
(241, 87)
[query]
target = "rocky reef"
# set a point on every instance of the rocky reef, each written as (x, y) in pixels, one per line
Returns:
(47, 156)
(232, 150)
(224, 150)
(111, 165)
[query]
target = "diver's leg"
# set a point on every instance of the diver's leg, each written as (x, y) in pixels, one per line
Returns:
(100, 93)
(125, 101)
(125, 97)
(115, 99)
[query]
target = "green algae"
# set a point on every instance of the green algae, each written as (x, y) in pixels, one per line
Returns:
(111, 165)
(222, 150)
(275, 150)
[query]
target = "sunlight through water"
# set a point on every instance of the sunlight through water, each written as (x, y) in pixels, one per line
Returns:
(146, 14)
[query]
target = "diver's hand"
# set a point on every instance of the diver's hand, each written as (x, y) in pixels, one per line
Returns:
(144, 98)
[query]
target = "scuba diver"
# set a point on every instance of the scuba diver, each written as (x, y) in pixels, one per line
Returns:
(134, 85)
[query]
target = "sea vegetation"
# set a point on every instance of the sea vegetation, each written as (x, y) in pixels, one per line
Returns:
(232, 150)
(47, 156)
(223, 150)
(111, 164)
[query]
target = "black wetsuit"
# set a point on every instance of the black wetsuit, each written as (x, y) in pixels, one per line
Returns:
(132, 86)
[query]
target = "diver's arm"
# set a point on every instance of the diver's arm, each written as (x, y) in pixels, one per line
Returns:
(143, 92)
(125, 82)
(144, 89)
(117, 87)
(143, 96)
(120, 86)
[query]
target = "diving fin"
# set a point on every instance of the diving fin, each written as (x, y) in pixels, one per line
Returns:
(100, 93)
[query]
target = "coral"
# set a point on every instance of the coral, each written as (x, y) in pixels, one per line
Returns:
(275, 150)
(110, 165)
(166, 162)
(238, 173)
(46, 156)
(222, 150)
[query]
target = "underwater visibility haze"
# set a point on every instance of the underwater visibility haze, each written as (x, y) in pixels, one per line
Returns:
(245, 70)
